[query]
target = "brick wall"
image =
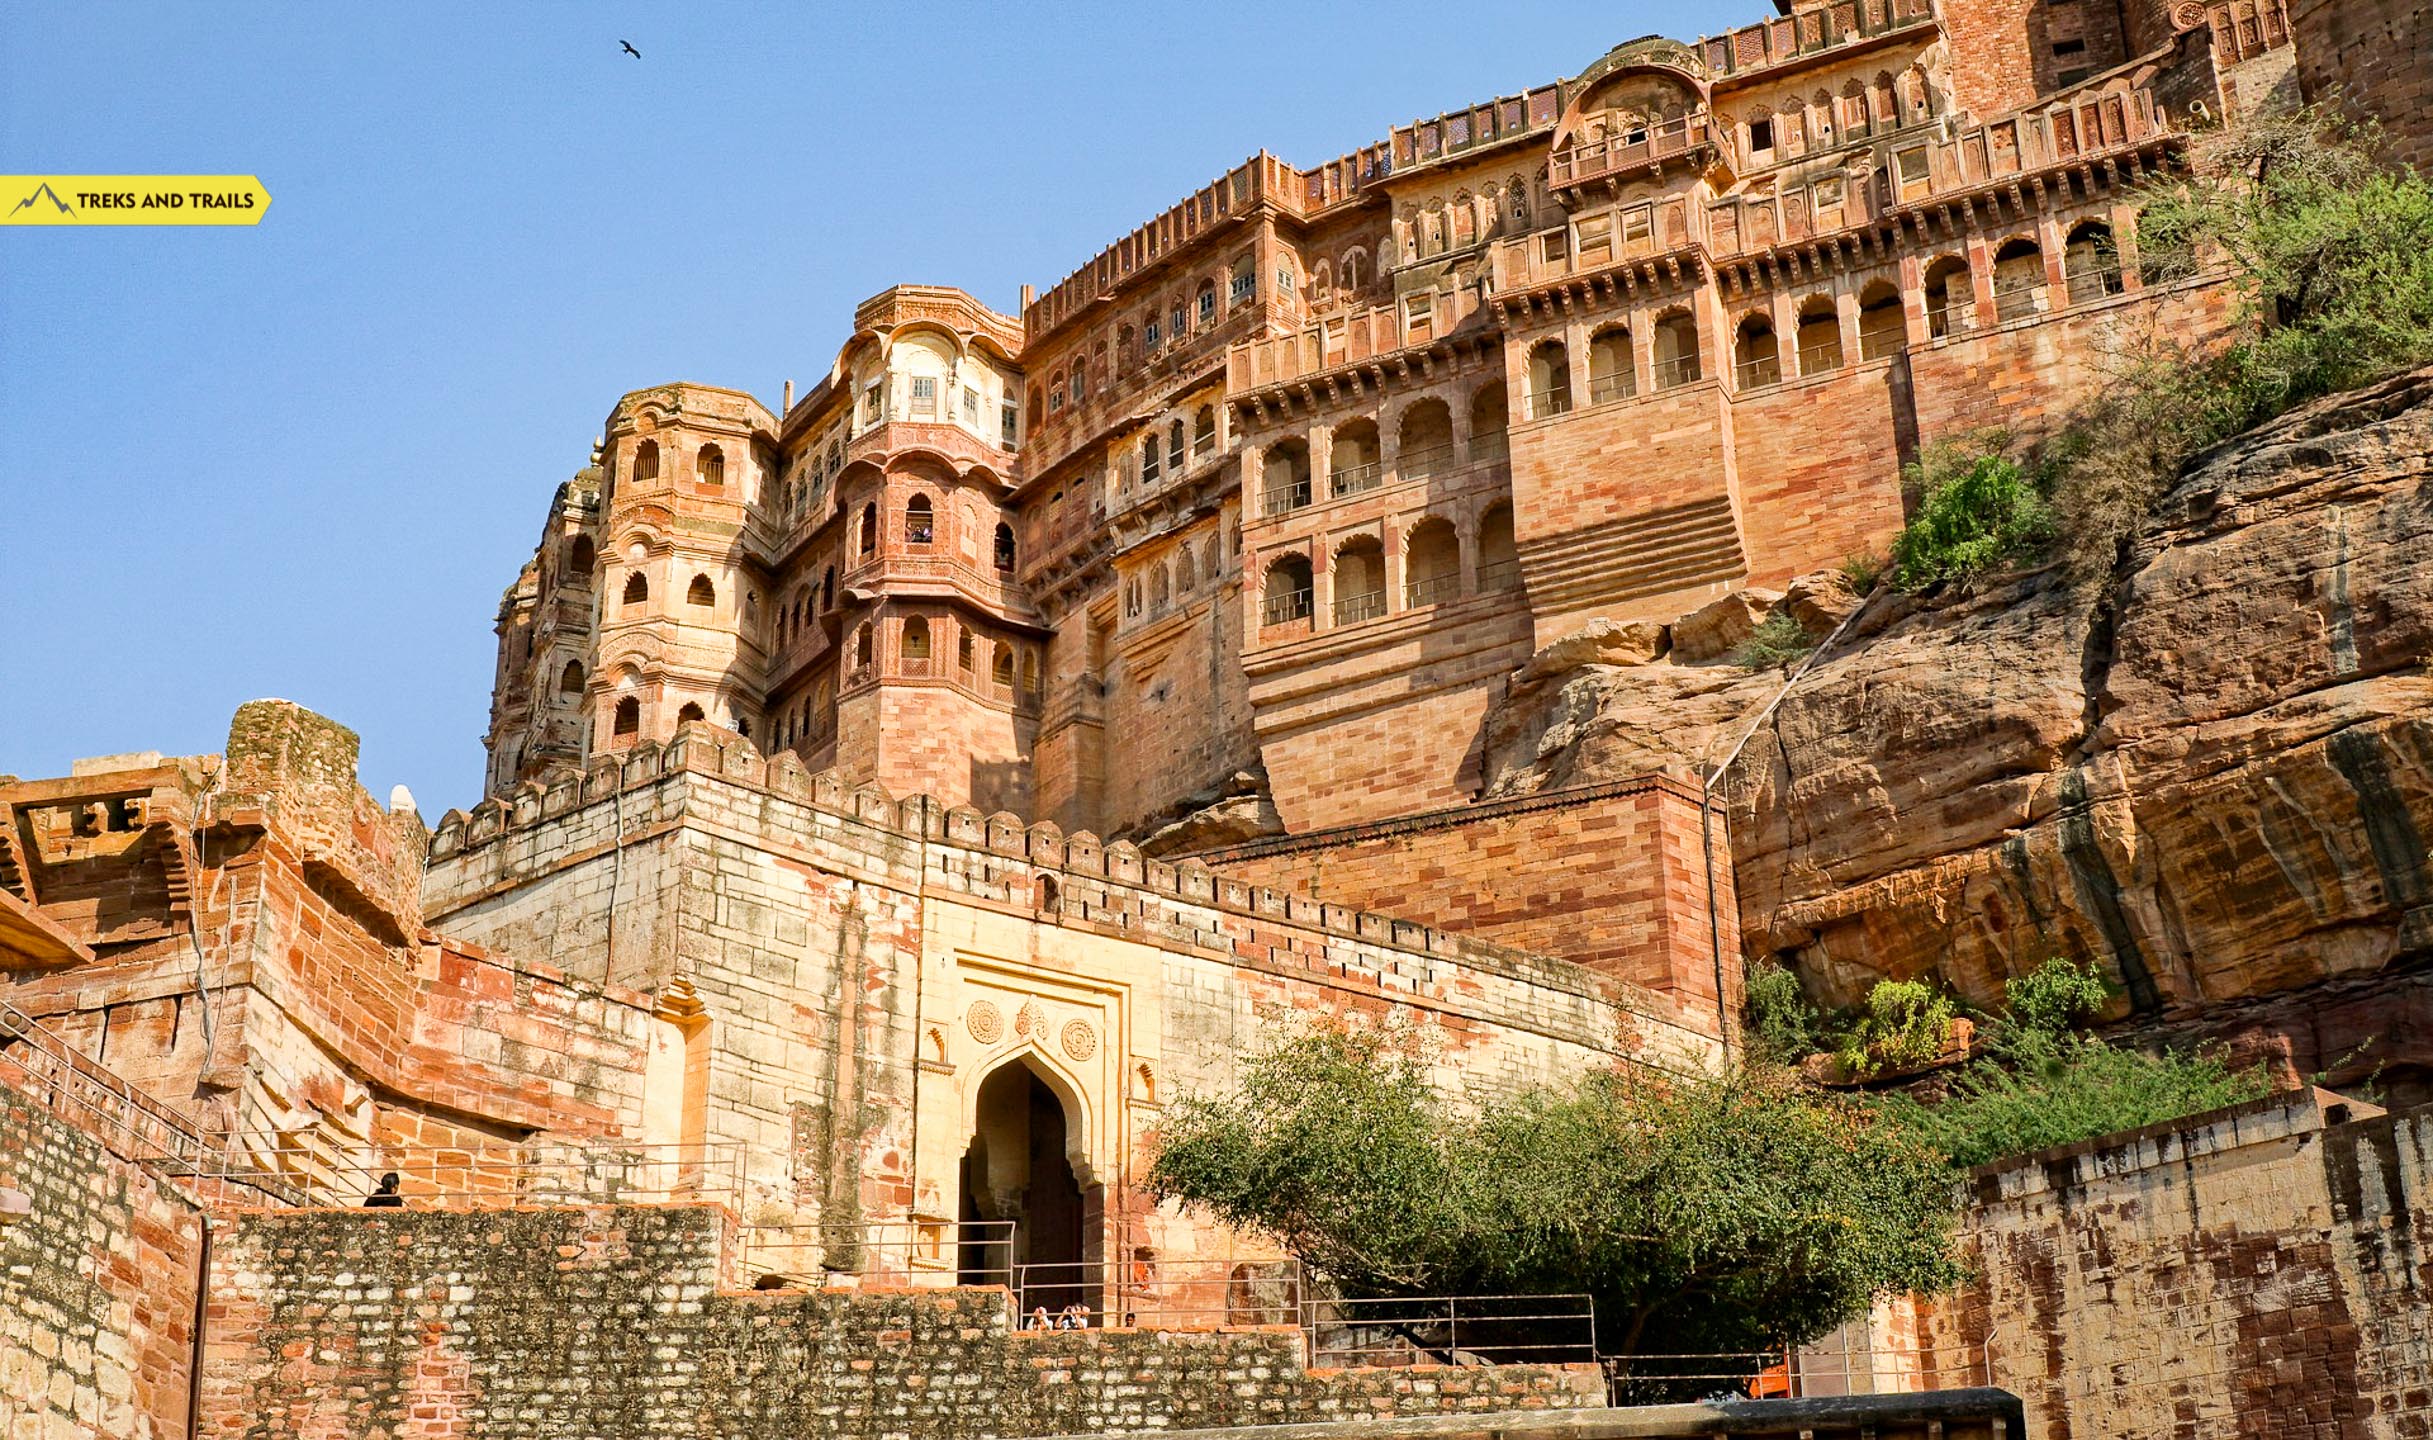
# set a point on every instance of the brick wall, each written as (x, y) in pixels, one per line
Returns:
(612, 1322)
(2368, 58)
(2255, 1271)
(97, 1287)
(1609, 876)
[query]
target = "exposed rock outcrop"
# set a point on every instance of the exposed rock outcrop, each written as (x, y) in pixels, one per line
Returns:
(2216, 774)
(1228, 814)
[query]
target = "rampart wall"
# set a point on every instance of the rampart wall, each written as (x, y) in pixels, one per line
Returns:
(2254, 1271)
(611, 1322)
(97, 1285)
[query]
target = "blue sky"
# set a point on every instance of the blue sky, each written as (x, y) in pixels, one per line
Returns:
(304, 459)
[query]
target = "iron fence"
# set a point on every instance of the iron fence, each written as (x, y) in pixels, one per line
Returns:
(1803, 1373)
(1159, 1294)
(912, 1252)
(1452, 1330)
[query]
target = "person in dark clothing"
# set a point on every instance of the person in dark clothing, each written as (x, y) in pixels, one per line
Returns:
(386, 1197)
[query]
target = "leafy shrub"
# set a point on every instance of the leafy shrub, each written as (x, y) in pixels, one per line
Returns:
(1976, 510)
(2059, 1089)
(1902, 1030)
(2055, 996)
(2332, 257)
(1782, 1023)
(1779, 640)
(1862, 570)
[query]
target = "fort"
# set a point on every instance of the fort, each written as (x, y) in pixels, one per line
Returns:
(894, 799)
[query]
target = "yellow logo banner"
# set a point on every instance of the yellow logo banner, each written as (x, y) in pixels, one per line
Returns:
(131, 200)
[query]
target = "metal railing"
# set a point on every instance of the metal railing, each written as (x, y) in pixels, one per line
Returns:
(1277, 499)
(1425, 460)
(328, 1169)
(1498, 574)
(1352, 609)
(1820, 359)
(1354, 479)
(1680, 370)
(938, 1253)
(1490, 446)
(1434, 590)
(1453, 1330)
(1778, 1373)
(1285, 608)
(1957, 315)
(49, 1071)
(1159, 1294)
(1555, 400)
(2091, 283)
(2018, 299)
(1621, 385)
(1757, 374)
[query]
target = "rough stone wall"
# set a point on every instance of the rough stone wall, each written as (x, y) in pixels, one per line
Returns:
(97, 1286)
(2367, 57)
(613, 1322)
(1609, 876)
(2256, 1271)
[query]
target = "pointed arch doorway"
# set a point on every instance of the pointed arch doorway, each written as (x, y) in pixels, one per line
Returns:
(1018, 1168)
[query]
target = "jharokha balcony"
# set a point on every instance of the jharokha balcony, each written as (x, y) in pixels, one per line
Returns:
(1613, 159)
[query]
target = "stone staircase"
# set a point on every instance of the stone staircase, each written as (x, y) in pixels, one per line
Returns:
(1680, 547)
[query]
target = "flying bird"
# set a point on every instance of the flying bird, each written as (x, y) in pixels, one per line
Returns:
(629, 49)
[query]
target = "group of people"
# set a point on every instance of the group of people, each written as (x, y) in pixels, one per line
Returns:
(1075, 1316)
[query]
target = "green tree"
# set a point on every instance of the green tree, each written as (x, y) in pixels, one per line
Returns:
(1703, 1214)
(1976, 510)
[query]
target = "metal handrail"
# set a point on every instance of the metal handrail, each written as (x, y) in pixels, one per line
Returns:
(1291, 495)
(1757, 374)
(1196, 1291)
(1452, 1329)
(1354, 479)
(934, 1252)
(1620, 386)
(1285, 608)
(1794, 1373)
(1432, 591)
(1424, 461)
(1352, 609)
(1680, 370)
(1498, 573)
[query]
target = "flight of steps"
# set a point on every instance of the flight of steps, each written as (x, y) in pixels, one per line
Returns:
(1680, 547)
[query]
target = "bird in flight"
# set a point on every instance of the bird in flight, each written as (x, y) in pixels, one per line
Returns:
(629, 49)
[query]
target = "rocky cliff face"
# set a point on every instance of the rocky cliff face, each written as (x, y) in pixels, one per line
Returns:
(2216, 774)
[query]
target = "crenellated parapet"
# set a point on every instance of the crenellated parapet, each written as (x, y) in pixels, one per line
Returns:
(1072, 880)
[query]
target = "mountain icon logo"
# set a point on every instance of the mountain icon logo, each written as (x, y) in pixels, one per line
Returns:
(44, 191)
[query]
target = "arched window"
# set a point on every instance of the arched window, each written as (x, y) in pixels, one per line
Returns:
(1359, 573)
(1206, 308)
(1030, 672)
(963, 652)
(1352, 459)
(690, 712)
(1431, 564)
(1676, 350)
(1150, 455)
(646, 460)
(2091, 263)
(1355, 271)
(2018, 279)
(570, 679)
(1949, 300)
(827, 590)
(1755, 361)
(701, 592)
(1005, 546)
(1186, 579)
(1158, 595)
(1549, 379)
(1174, 446)
(1489, 414)
(1286, 486)
(1037, 407)
(629, 717)
(1499, 562)
(1820, 336)
(1612, 373)
(1211, 563)
(870, 529)
(1424, 439)
(1001, 669)
(1883, 329)
(861, 647)
(580, 558)
(637, 589)
(1203, 431)
(915, 646)
(920, 526)
(1286, 595)
(711, 465)
(743, 724)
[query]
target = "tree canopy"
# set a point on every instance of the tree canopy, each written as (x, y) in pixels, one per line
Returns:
(1702, 1213)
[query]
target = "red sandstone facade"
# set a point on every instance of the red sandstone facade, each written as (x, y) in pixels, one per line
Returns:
(1292, 477)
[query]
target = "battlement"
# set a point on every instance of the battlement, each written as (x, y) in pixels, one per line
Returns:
(1071, 880)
